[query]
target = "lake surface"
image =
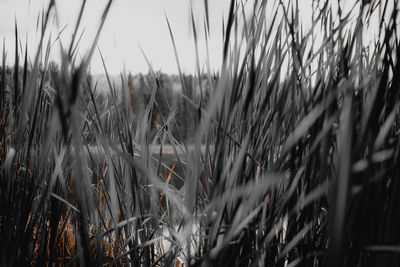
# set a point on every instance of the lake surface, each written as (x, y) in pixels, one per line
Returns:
(169, 159)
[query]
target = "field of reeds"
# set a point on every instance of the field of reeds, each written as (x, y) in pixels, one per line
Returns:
(293, 158)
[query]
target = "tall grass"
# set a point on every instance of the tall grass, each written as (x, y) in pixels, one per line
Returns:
(293, 160)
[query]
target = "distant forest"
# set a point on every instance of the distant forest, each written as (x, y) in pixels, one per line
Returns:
(172, 101)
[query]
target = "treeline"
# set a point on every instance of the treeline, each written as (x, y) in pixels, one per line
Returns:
(176, 106)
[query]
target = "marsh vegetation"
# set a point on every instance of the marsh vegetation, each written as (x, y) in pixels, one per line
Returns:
(288, 157)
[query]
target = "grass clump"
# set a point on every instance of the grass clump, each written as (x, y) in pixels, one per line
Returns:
(292, 157)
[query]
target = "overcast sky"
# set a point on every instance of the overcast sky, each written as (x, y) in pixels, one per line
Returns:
(130, 23)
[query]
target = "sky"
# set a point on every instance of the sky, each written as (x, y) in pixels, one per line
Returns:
(131, 24)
